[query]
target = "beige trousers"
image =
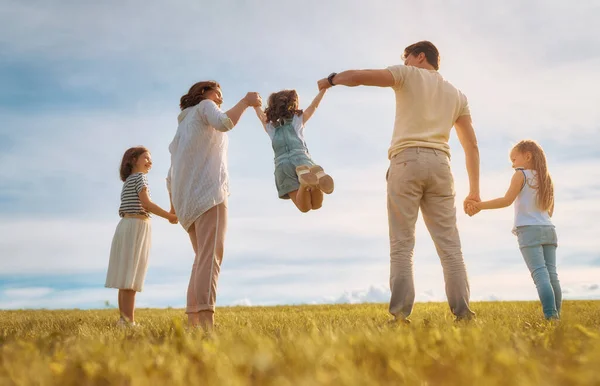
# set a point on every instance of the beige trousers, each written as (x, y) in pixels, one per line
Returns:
(421, 178)
(208, 238)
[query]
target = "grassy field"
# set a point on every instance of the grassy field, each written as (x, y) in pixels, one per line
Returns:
(508, 344)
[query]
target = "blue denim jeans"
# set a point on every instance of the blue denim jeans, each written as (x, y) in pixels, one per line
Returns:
(538, 245)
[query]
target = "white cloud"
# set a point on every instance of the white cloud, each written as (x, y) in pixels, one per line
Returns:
(591, 287)
(26, 293)
(76, 298)
(242, 302)
(373, 294)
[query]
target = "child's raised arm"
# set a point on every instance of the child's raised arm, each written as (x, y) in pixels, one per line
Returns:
(310, 110)
(516, 184)
(261, 116)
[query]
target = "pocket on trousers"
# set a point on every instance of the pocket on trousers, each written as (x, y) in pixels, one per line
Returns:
(402, 170)
(550, 237)
(529, 236)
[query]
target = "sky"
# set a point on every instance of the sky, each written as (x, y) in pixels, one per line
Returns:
(82, 81)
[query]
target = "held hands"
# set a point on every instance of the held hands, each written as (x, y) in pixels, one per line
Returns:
(472, 204)
(253, 99)
(472, 208)
(323, 84)
(172, 216)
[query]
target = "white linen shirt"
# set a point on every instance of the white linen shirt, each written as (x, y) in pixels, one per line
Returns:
(198, 177)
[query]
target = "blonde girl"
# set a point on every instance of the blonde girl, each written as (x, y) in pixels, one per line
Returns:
(532, 191)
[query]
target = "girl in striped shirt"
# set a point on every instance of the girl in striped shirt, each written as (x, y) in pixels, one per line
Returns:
(131, 243)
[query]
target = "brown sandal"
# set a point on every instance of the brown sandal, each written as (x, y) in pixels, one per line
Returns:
(306, 177)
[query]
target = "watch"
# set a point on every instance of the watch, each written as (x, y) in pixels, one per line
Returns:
(330, 78)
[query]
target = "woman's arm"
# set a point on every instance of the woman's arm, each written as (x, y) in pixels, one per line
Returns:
(516, 184)
(226, 121)
(310, 110)
(251, 99)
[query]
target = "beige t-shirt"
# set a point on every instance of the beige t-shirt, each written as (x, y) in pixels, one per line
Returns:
(426, 108)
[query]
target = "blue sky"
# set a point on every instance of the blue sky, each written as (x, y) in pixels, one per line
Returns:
(83, 81)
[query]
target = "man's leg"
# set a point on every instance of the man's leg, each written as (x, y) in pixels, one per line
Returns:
(439, 213)
(403, 197)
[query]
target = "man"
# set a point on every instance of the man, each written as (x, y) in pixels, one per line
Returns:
(419, 176)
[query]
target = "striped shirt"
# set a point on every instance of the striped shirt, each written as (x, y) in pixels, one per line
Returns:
(130, 199)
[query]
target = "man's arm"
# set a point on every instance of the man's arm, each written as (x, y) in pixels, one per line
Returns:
(468, 141)
(353, 78)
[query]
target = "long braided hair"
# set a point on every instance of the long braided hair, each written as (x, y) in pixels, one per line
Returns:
(544, 185)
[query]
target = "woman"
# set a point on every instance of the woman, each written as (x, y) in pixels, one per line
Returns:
(198, 185)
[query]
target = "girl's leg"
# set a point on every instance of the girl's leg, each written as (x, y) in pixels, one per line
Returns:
(550, 258)
(534, 258)
(128, 303)
(316, 198)
(302, 198)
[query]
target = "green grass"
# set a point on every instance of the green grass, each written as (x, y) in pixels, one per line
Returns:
(508, 344)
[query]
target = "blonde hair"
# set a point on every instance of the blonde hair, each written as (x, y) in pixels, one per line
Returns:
(545, 187)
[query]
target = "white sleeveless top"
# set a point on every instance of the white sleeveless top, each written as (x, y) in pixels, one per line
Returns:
(526, 209)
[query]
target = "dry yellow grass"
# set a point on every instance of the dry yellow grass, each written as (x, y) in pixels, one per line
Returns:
(508, 344)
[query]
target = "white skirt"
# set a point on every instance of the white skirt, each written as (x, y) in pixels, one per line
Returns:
(129, 254)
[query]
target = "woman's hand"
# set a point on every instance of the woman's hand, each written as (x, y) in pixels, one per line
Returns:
(253, 99)
(172, 218)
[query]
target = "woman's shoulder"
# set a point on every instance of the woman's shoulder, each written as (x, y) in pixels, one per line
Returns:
(201, 107)
(206, 103)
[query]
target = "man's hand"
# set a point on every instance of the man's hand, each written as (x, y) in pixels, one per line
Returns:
(469, 204)
(472, 208)
(323, 84)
